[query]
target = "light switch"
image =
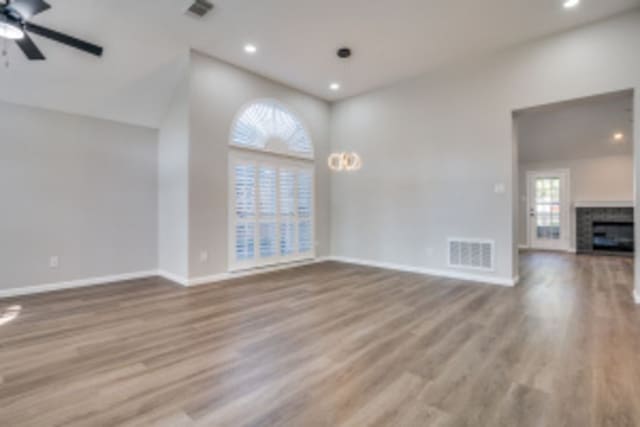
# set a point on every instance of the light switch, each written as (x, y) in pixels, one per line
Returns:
(54, 262)
(499, 188)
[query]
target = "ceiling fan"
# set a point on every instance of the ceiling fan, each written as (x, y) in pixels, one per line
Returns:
(15, 16)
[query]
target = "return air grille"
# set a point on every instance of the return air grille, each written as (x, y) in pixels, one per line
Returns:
(200, 8)
(471, 253)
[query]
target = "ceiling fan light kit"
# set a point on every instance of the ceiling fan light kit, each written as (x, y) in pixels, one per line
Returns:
(15, 24)
(9, 30)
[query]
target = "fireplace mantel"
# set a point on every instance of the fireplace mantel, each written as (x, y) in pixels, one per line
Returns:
(611, 204)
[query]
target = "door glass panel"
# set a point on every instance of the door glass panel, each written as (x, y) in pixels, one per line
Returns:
(547, 208)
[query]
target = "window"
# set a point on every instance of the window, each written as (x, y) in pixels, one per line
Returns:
(268, 126)
(271, 197)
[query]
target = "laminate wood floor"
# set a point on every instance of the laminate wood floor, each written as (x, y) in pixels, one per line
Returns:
(331, 345)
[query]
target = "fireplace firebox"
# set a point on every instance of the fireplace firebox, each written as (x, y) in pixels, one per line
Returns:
(613, 236)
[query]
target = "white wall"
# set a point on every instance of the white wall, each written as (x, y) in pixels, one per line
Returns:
(78, 188)
(194, 155)
(602, 179)
(433, 147)
(218, 92)
(173, 189)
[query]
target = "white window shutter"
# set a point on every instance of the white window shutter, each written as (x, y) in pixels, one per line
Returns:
(272, 218)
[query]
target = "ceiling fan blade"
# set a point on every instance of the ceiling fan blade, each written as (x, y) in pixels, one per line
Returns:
(64, 39)
(29, 8)
(30, 49)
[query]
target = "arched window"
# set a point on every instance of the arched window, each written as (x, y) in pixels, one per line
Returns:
(271, 209)
(267, 125)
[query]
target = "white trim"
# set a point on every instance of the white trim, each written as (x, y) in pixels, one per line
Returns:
(181, 280)
(491, 280)
(72, 284)
(612, 204)
(636, 296)
(523, 246)
(206, 280)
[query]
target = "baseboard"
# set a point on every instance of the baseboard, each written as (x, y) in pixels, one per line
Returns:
(221, 277)
(105, 280)
(173, 277)
(523, 247)
(81, 283)
(636, 296)
(500, 281)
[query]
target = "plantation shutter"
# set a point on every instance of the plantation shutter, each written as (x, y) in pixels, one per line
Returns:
(245, 211)
(272, 219)
(305, 211)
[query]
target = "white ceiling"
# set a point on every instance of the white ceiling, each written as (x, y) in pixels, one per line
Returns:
(145, 41)
(577, 129)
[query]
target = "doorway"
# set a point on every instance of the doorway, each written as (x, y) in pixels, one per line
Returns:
(548, 219)
(576, 181)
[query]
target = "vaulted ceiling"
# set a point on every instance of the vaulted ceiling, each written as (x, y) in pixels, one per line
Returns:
(145, 42)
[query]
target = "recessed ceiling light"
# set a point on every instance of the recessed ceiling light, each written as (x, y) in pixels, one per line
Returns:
(250, 48)
(618, 136)
(334, 86)
(569, 4)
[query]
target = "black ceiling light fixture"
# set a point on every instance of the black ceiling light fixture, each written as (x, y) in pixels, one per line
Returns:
(343, 53)
(15, 16)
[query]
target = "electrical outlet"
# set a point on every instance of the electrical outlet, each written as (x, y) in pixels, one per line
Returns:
(54, 261)
(204, 256)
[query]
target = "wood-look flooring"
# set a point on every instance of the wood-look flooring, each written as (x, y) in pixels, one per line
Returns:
(331, 345)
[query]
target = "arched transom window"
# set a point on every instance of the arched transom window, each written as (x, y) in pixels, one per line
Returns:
(271, 179)
(267, 125)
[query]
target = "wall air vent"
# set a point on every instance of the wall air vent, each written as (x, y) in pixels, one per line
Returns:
(199, 8)
(471, 253)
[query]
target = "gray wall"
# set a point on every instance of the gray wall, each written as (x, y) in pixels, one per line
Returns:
(433, 147)
(79, 188)
(602, 179)
(173, 190)
(217, 92)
